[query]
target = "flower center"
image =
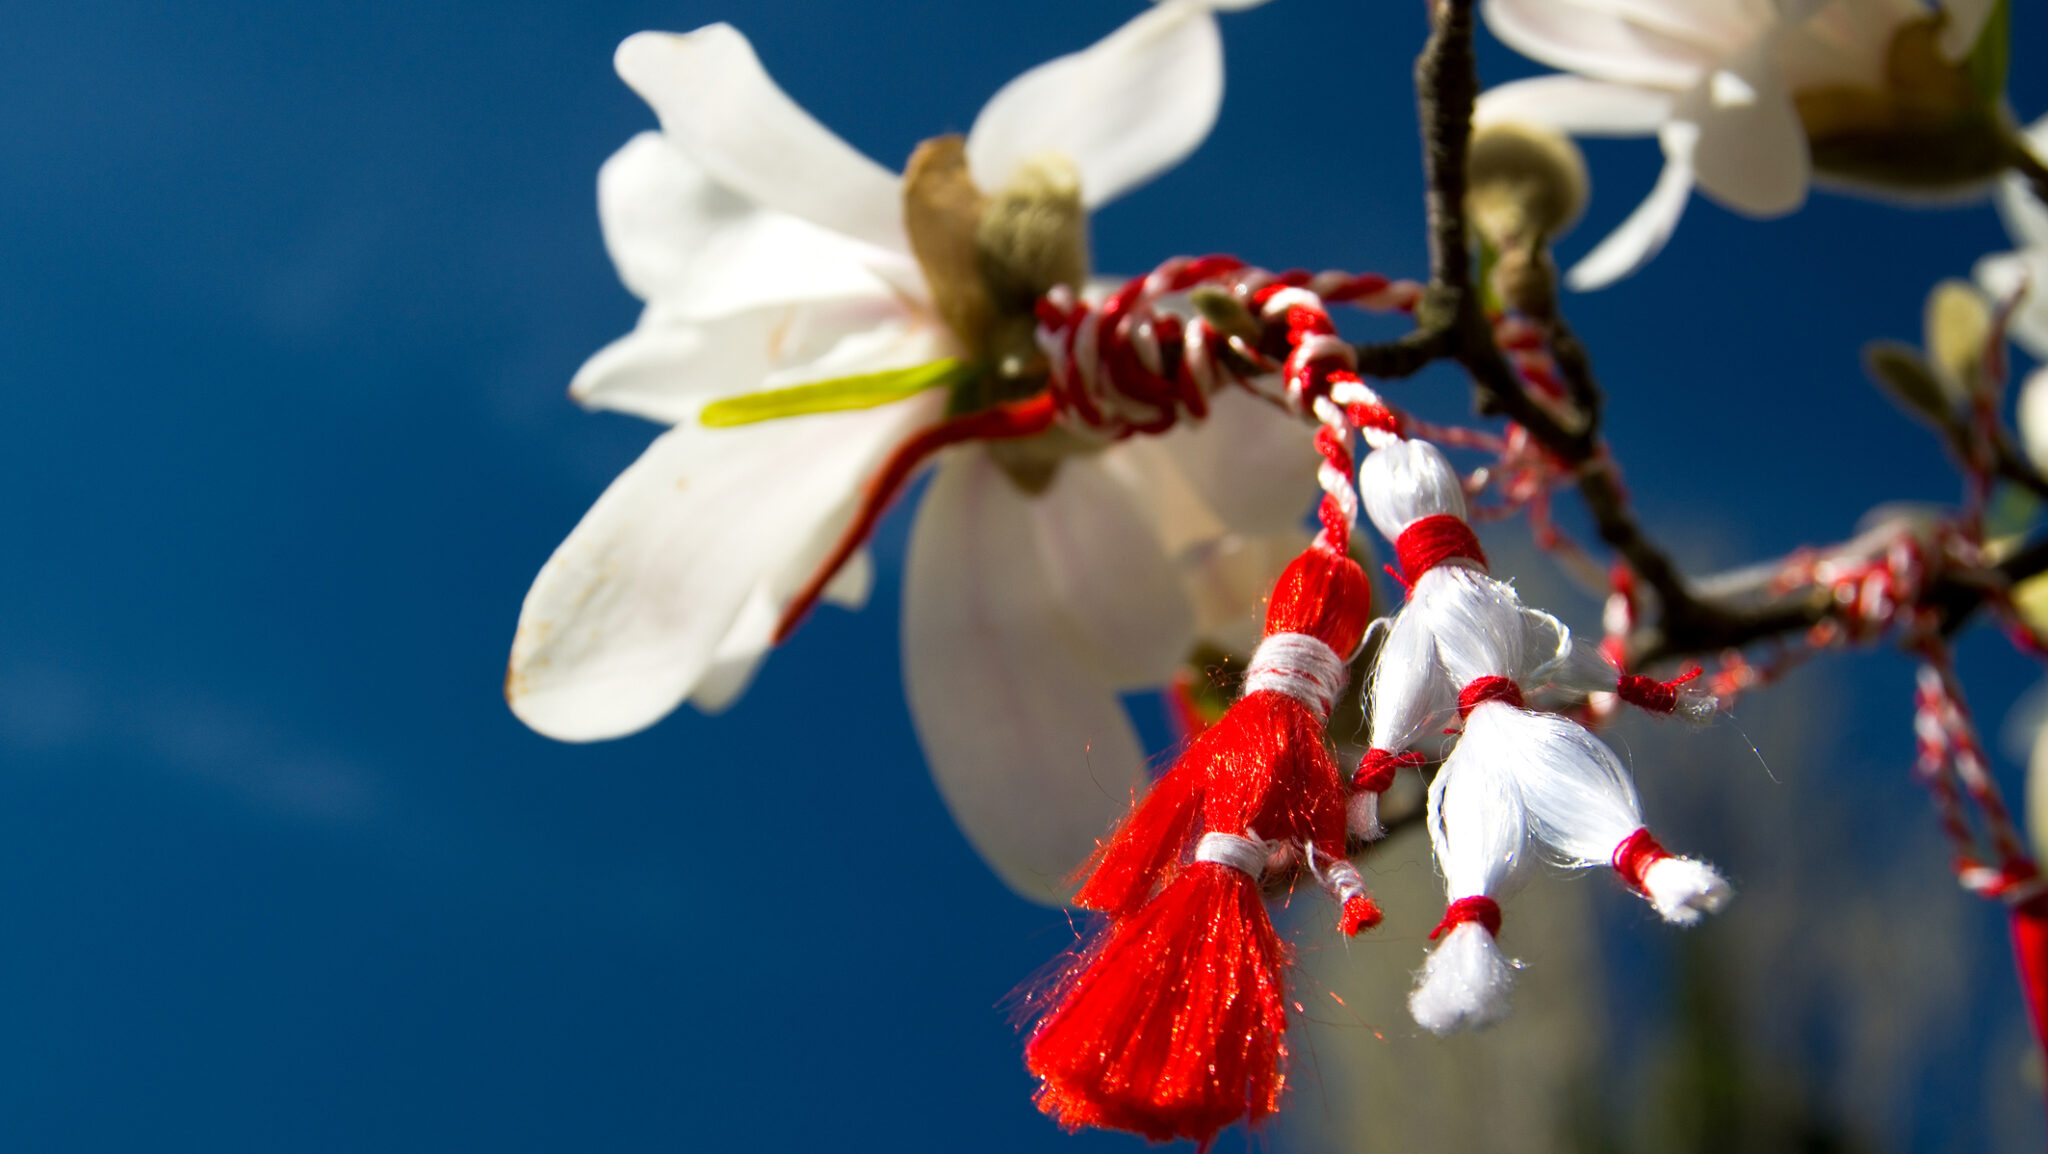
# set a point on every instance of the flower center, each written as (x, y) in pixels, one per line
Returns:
(1930, 125)
(988, 258)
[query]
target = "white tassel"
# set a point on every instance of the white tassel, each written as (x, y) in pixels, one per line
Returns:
(1515, 773)
(1463, 984)
(1683, 889)
(1479, 832)
(1583, 805)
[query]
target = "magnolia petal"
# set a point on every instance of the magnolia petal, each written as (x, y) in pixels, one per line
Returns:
(746, 645)
(850, 587)
(2002, 275)
(1180, 516)
(2032, 418)
(739, 656)
(1111, 577)
(635, 607)
(1603, 45)
(1229, 580)
(668, 367)
(1642, 236)
(1033, 755)
(682, 239)
(719, 105)
(1123, 110)
(1964, 25)
(1252, 463)
(2026, 218)
(1575, 105)
(1751, 154)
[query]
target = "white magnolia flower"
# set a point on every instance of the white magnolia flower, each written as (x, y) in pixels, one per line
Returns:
(1044, 576)
(2004, 274)
(1751, 99)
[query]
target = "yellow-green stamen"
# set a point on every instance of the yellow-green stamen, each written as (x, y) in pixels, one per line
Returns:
(864, 391)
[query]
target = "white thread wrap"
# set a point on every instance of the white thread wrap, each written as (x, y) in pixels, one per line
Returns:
(1300, 666)
(1245, 855)
(1342, 879)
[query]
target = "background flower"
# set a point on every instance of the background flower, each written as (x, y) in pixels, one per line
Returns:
(1746, 97)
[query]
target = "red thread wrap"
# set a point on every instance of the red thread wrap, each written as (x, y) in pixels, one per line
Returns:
(1433, 540)
(1377, 769)
(1634, 857)
(1484, 689)
(1650, 694)
(1478, 908)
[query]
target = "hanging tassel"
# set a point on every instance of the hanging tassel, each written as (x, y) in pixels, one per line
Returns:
(1479, 832)
(1465, 642)
(1172, 1024)
(2029, 922)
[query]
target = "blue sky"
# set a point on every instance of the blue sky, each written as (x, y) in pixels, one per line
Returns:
(289, 296)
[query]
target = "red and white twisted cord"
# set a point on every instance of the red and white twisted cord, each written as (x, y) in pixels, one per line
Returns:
(1128, 364)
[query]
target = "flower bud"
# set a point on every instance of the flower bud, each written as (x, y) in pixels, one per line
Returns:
(1526, 184)
(1957, 323)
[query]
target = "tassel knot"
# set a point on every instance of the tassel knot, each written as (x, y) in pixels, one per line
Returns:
(1634, 857)
(1484, 689)
(1376, 771)
(1433, 540)
(1300, 666)
(1243, 854)
(1477, 908)
(1650, 694)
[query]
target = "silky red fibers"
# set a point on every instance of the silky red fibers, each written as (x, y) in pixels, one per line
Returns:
(1172, 1023)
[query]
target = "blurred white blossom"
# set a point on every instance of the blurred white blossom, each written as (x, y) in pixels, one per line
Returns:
(1752, 99)
(2026, 268)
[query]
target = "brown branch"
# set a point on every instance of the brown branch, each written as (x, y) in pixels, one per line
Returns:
(1451, 324)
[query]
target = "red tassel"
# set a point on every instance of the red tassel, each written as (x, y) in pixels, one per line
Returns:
(1171, 1025)
(2030, 957)
(1150, 843)
(1151, 1040)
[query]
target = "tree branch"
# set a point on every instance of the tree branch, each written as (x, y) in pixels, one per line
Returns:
(1451, 324)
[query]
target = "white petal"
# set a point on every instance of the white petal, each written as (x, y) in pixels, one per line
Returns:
(1252, 463)
(1103, 558)
(1964, 25)
(746, 644)
(719, 105)
(1033, 755)
(850, 587)
(1642, 236)
(2002, 275)
(1575, 105)
(668, 367)
(701, 250)
(1229, 580)
(1578, 38)
(627, 616)
(1123, 110)
(739, 656)
(2032, 418)
(1751, 154)
(2024, 215)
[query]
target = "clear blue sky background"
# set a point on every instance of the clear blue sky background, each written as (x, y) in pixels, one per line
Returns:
(289, 296)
